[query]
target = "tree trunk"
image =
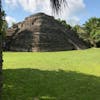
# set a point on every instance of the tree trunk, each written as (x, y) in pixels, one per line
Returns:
(0, 51)
(93, 43)
(0, 65)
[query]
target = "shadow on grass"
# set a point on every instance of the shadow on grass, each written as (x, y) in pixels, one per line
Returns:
(28, 84)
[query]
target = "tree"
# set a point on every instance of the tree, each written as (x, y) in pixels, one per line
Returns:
(63, 22)
(3, 27)
(56, 6)
(76, 28)
(92, 31)
(1, 21)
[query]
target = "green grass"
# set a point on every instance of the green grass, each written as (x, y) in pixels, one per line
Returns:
(68, 75)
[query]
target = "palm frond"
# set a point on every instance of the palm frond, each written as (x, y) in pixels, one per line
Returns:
(57, 5)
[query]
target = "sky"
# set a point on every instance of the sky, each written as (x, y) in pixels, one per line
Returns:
(77, 11)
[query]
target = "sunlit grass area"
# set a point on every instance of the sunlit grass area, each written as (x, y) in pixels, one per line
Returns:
(66, 75)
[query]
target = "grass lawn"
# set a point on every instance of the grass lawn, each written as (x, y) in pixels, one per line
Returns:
(68, 75)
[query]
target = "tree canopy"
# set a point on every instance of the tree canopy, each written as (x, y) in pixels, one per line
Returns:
(90, 31)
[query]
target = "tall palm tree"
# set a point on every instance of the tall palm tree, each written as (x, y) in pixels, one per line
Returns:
(0, 49)
(56, 7)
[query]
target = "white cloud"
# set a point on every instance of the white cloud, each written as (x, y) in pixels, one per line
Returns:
(10, 20)
(71, 12)
(27, 5)
(74, 21)
(12, 3)
(74, 7)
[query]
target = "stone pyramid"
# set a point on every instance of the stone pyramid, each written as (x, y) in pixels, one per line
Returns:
(41, 32)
